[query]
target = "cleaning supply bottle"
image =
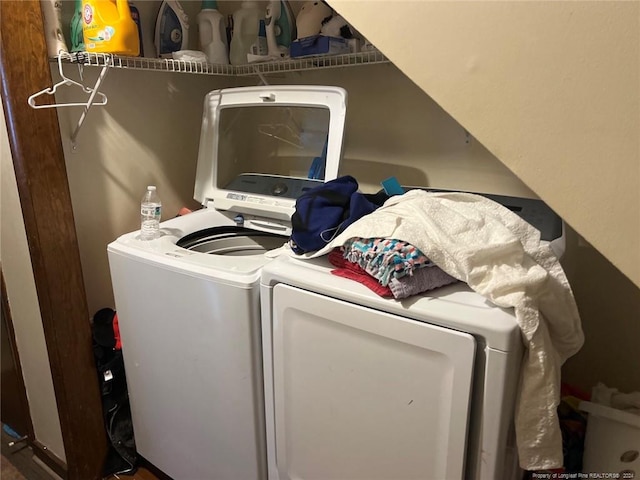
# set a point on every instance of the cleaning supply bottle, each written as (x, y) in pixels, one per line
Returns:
(135, 16)
(260, 46)
(212, 33)
(52, 13)
(77, 39)
(107, 27)
(246, 25)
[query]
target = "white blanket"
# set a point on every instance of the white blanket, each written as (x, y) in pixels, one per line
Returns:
(500, 256)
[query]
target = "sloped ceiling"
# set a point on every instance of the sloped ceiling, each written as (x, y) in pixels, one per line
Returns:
(552, 89)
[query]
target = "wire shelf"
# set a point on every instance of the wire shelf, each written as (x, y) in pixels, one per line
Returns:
(202, 68)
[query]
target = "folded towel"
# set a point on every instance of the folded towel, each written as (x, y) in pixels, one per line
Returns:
(349, 270)
(422, 280)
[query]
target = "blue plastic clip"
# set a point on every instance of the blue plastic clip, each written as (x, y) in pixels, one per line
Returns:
(392, 187)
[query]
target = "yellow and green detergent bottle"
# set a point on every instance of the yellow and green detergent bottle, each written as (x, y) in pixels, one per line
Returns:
(107, 27)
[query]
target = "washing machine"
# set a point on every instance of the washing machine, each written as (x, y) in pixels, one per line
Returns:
(362, 387)
(188, 302)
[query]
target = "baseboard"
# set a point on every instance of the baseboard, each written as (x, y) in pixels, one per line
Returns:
(45, 458)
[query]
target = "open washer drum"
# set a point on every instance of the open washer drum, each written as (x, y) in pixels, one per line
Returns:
(260, 149)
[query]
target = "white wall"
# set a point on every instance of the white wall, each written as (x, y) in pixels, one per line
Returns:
(551, 88)
(25, 311)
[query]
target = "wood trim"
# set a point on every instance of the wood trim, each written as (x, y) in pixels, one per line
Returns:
(38, 158)
(154, 472)
(49, 459)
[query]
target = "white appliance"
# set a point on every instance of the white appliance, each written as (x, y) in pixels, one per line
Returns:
(188, 302)
(362, 387)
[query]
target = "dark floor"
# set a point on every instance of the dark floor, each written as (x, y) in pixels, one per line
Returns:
(8, 471)
(18, 464)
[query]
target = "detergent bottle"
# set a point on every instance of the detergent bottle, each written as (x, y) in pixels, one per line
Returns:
(212, 33)
(77, 39)
(246, 26)
(107, 27)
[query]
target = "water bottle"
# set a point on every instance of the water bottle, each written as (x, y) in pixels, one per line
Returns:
(150, 212)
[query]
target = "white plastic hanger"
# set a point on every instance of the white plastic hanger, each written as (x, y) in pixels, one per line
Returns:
(93, 92)
(69, 82)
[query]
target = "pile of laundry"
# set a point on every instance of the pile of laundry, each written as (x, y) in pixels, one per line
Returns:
(387, 266)
(471, 239)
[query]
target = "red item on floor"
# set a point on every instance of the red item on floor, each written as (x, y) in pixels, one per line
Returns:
(116, 332)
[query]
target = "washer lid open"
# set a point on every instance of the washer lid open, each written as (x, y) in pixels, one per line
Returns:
(262, 147)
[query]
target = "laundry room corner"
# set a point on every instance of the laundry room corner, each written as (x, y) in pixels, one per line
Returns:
(229, 180)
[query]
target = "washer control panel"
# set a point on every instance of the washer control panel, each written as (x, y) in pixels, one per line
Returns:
(271, 185)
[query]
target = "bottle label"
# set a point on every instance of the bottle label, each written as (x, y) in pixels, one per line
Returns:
(150, 211)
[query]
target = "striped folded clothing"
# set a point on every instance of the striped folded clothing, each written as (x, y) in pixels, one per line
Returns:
(422, 280)
(385, 258)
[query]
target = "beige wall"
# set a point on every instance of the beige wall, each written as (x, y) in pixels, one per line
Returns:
(551, 88)
(25, 312)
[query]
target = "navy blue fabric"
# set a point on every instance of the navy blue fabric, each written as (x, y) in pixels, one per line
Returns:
(326, 210)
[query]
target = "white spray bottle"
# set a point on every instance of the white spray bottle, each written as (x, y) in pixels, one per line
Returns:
(212, 33)
(246, 27)
(52, 12)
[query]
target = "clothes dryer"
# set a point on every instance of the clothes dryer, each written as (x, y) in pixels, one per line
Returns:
(188, 302)
(362, 387)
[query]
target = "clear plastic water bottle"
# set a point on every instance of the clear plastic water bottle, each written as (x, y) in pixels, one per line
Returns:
(150, 213)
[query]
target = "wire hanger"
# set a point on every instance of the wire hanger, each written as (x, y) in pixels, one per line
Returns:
(93, 92)
(277, 130)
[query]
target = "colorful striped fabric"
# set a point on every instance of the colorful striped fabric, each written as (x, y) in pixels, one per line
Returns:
(384, 258)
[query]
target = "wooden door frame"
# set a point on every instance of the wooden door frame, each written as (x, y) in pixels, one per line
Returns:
(38, 159)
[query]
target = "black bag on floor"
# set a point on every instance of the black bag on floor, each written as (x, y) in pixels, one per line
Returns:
(107, 351)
